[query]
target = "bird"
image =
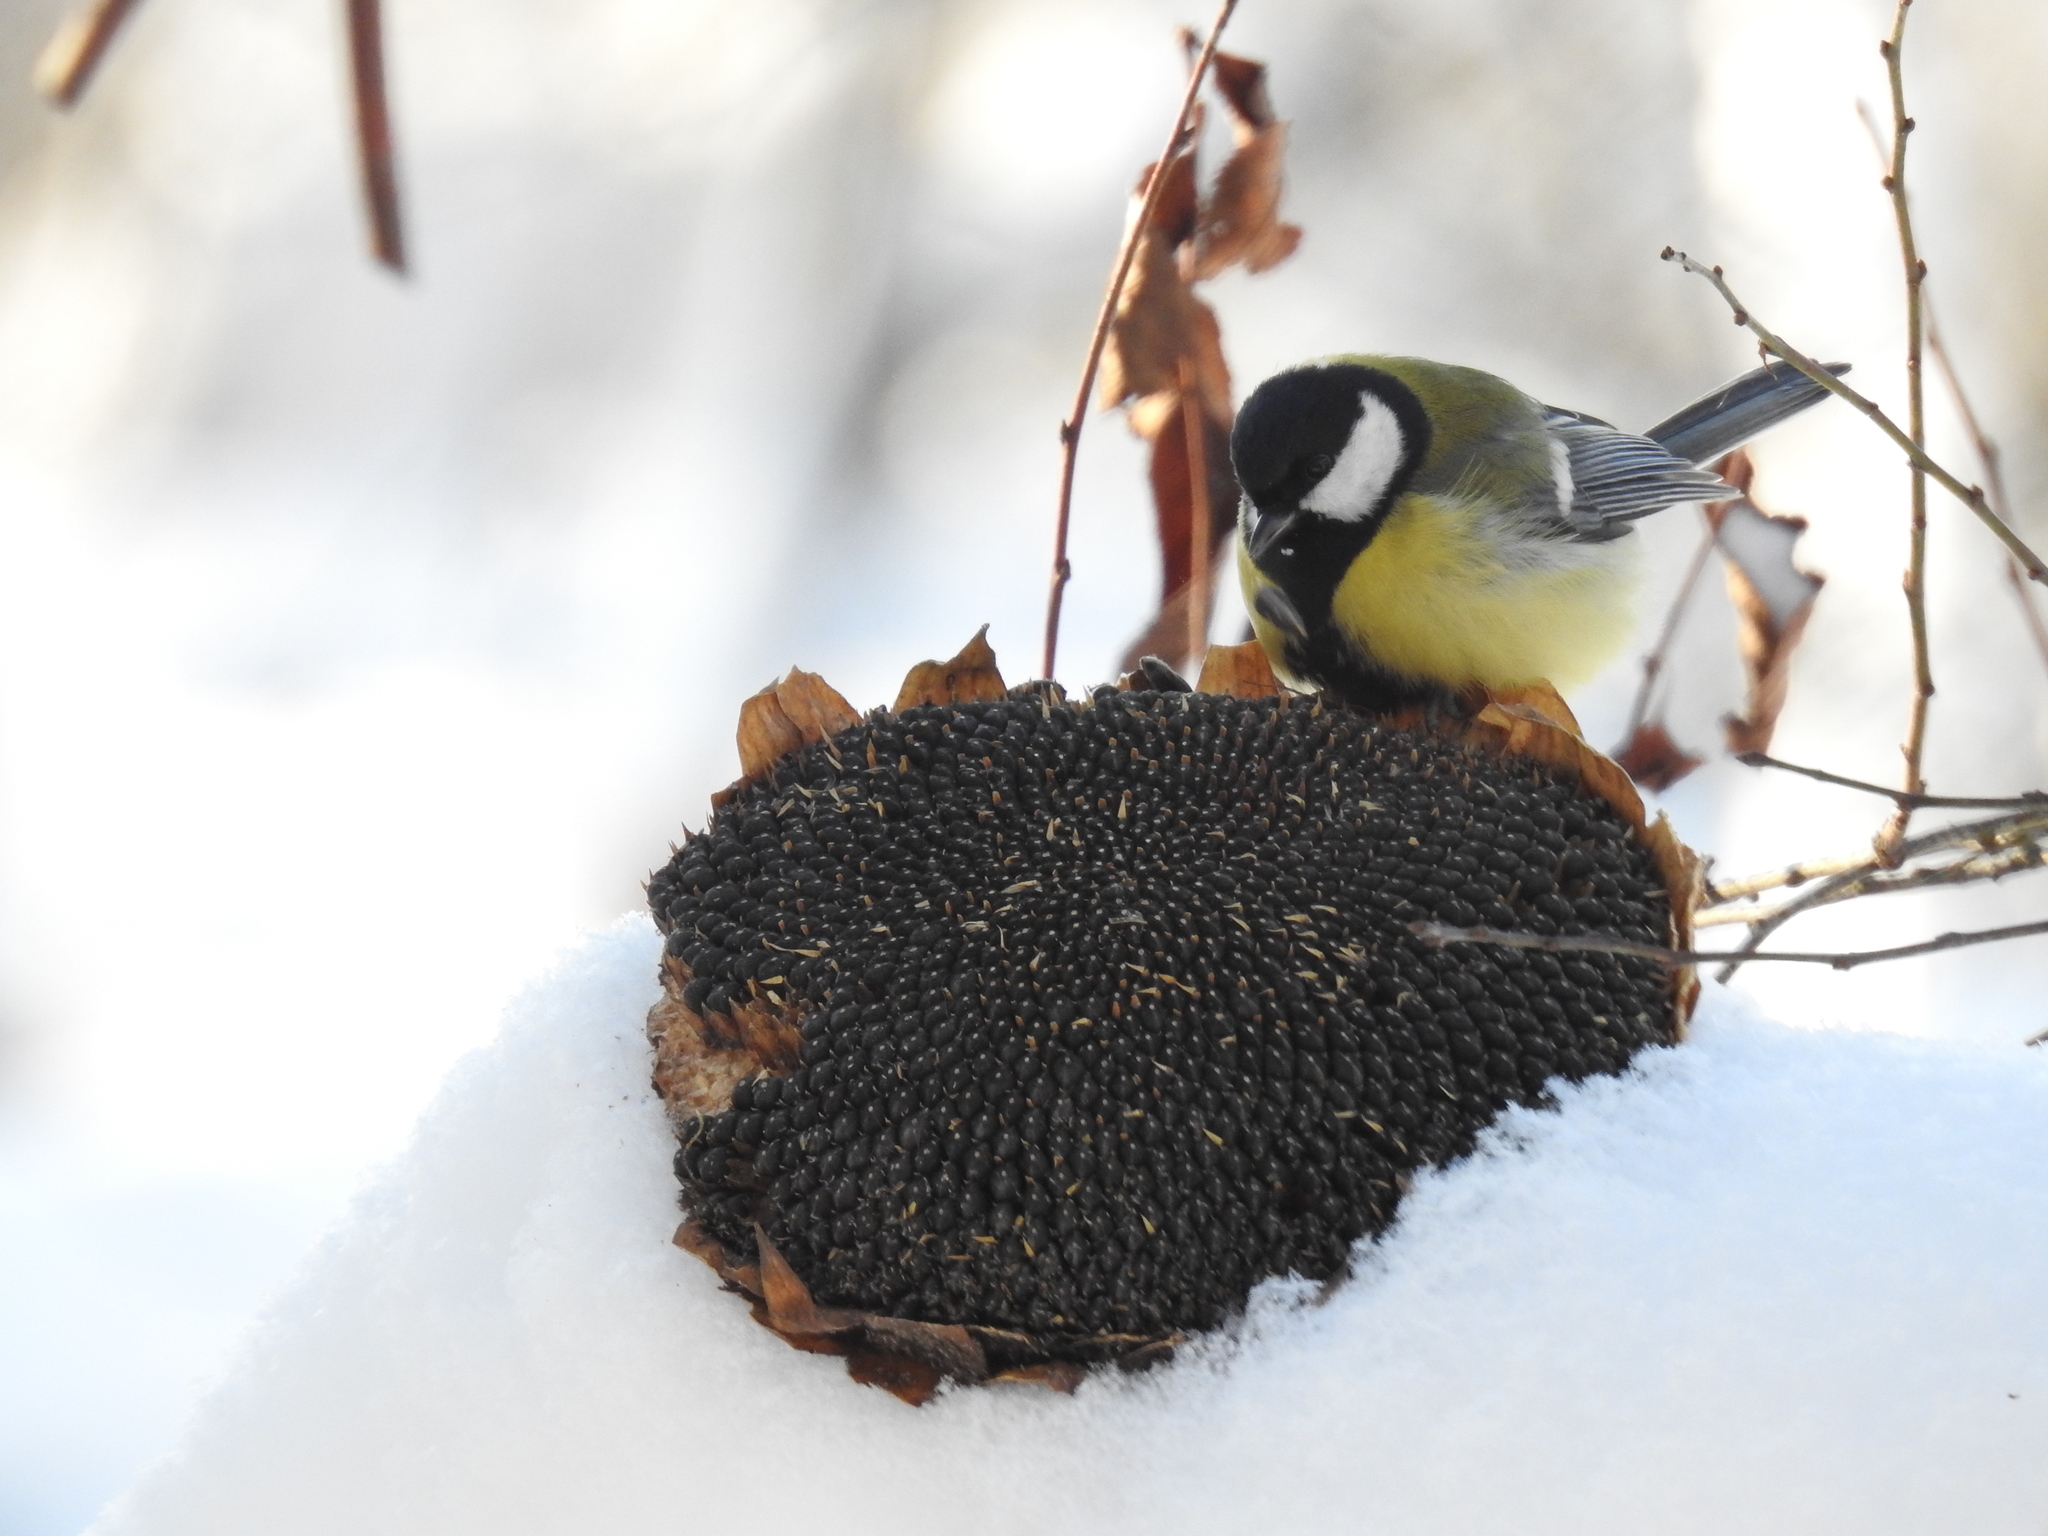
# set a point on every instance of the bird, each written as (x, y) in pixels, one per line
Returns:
(1416, 533)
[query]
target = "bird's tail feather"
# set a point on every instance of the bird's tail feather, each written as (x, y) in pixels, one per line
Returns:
(1738, 411)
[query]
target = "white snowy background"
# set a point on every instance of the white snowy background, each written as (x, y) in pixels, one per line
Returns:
(363, 643)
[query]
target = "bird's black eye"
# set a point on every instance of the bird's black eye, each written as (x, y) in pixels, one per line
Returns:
(1321, 464)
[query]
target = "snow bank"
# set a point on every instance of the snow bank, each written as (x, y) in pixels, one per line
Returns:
(1772, 1281)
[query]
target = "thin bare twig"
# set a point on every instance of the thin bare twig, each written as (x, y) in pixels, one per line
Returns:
(1988, 866)
(1996, 832)
(1070, 429)
(1774, 345)
(1993, 832)
(1914, 747)
(373, 131)
(68, 61)
(1435, 934)
(1791, 875)
(1903, 797)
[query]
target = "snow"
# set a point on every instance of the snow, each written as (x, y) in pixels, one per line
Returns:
(1772, 1280)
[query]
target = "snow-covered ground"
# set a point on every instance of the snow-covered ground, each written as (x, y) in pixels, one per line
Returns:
(1772, 1280)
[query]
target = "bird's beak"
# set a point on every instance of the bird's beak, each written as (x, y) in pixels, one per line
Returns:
(1276, 609)
(1268, 531)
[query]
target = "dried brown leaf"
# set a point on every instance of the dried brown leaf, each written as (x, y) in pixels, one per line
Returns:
(968, 678)
(1176, 633)
(1653, 759)
(1162, 334)
(1173, 482)
(1242, 84)
(1240, 219)
(1773, 599)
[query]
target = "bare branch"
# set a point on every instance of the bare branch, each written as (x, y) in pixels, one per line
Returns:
(1997, 832)
(1790, 875)
(1774, 345)
(1436, 934)
(1989, 866)
(1916, 802)
(1070, 429)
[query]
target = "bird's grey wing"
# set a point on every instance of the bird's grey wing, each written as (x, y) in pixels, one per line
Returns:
(1608, 478)
(1738, 411)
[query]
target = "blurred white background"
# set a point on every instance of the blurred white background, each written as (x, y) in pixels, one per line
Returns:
(363, 641)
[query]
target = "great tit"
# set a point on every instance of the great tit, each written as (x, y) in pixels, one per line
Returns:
(1410, 529)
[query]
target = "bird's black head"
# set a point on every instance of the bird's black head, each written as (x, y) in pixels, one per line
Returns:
(1321, 452)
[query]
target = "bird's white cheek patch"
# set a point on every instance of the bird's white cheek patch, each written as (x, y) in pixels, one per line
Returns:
(1561, 477)
(1365, 468)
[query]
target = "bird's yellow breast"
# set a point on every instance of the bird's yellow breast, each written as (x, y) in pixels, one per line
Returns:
(1431, 597)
